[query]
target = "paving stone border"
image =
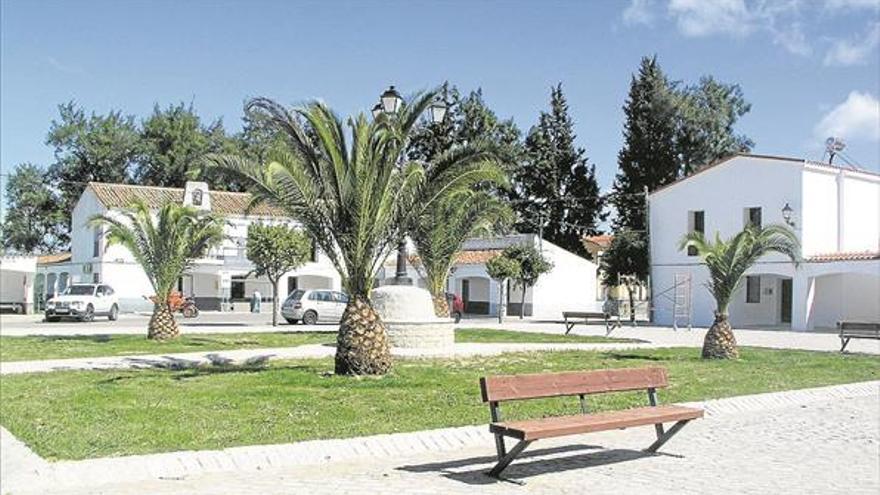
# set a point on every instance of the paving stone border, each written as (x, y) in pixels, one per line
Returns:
(22, 468)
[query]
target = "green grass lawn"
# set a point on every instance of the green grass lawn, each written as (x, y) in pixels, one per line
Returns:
(85, 414)
(74, 346)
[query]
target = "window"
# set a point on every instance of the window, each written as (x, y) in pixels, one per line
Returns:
(752, 217)
(96, 278)
(696, 223)
(100, 291)
(314, 254)
(340, 297)
(96, 242)
(753, 289)
(108, 291)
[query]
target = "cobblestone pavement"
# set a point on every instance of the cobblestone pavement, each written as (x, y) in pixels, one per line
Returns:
(825, 446)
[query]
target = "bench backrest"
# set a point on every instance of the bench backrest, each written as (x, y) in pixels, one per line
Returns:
(518, 387)
(858, 325)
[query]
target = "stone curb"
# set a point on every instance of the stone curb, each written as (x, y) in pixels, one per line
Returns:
(29, 470)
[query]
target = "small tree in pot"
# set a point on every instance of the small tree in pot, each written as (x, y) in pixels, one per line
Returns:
(275, 250)
(727, 261)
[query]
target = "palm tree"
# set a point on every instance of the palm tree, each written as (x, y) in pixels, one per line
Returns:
(165, 248)
(727, 261)
(440, 232)
(355, 199)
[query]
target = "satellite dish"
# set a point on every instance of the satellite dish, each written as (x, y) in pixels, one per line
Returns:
(833, 145)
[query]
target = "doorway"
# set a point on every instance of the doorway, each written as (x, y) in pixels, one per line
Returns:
(465, 294)
(785, 300)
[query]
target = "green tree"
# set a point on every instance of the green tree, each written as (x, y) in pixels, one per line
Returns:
(468, 120)
(275, 250)
(556, 186)
(502, 269)
(356, 199)
(34, 221)
(627, 256)
(165, 247)
(727, 261)
(100, 148)
(532, 265)
(173, 142)
(441, 231)
(707, 113)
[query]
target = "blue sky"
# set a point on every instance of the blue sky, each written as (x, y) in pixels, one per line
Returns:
(810, 68)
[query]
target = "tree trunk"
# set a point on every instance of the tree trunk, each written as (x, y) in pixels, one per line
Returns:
(441, 305)
(632, 305)
(502, 306)
(720, 342)
(162, 325)
(522, 303)
(362, 345)
(275, 303)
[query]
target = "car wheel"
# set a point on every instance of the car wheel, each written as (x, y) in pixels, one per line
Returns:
(457, 316)
(292, 321)
(310, 318)
(89, 315)
(114, 313)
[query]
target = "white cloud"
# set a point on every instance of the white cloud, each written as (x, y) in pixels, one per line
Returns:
(697, 18)
(852, 4)
(857, 118)
(853, 51)
(792, 39)
(639, 12)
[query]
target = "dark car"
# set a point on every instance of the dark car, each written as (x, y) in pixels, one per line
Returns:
(456, 306)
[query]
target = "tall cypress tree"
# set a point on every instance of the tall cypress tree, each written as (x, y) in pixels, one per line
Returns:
(556, 185)
(648, 159)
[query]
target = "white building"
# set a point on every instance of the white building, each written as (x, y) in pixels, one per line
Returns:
(834, 211)
(222, 280)
(17, 275)
(569, 286)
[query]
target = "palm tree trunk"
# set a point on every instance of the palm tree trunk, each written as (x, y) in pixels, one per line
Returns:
(441, 305)
(162, 325)
(362, 345)
(720, 342)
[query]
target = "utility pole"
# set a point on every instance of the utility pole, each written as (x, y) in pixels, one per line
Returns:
(541, 233)
(648, 244)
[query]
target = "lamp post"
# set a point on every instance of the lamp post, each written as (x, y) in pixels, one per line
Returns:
(390, 102)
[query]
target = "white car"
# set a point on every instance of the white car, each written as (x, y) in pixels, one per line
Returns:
(84, 302)
(314, 305)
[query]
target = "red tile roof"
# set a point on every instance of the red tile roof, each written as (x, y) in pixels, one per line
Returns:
(53, 258)
(476, 257)
(222, 202)
(602, 241)
(856, 256)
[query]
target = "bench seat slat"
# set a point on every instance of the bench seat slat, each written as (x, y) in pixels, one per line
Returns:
(536, 429)
(533, 386)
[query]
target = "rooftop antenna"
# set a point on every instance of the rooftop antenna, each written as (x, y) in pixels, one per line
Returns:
(833, 146)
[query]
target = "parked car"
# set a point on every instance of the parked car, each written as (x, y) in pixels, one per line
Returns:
(84, 302)
(456, 306)
(314, 305)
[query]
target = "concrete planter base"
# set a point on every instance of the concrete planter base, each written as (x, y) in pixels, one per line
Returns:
(433, 334)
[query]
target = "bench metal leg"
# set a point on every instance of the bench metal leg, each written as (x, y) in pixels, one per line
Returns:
(505, 461)
(499, 446)
(568, 326)
(844, 341)
(661, 439)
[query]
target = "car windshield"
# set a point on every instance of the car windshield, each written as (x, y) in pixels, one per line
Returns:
(80, 290)
(296, 295)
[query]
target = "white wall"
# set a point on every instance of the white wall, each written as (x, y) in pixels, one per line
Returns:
(846, 296)
(569, 286)
(818, 212)
(861, 213)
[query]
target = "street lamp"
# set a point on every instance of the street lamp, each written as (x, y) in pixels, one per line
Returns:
(787, 214)
(389, 103)
(391, 100)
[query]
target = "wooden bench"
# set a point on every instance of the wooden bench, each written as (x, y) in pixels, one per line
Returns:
(497, 389)
(857, 330)
(572, 317)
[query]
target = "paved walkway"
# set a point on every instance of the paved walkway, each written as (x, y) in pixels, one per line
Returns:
(256, 357)
(811, 441)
